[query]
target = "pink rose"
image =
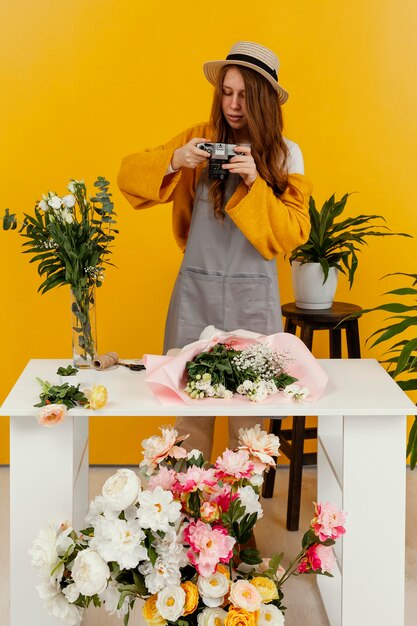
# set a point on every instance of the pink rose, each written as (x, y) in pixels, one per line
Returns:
(245, 596)
(328, 522)
(51, 414)
(317, 557)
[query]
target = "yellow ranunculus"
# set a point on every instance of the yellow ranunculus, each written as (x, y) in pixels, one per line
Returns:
(98, 397)
(266, 588)
(191, 597)
(150, 612)
(239, 617)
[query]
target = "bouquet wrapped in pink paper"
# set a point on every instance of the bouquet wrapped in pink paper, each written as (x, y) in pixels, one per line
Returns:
(240, 366)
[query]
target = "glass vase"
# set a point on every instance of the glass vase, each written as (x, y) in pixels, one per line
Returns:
(83, 314)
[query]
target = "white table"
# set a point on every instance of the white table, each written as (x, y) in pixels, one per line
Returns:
(361, 467)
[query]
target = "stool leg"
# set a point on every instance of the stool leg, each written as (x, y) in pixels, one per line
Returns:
(307, 336)
(269, 481)
(290, 326)
(335, 343)
(296, 472)
(352, 339)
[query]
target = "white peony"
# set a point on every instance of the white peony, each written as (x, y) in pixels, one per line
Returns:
(157, 509)
(51, 543)
(71, 593)
(57, 605)
(270, 615)
(111, 596)
(121, 490)
(213, 588)
(119, 540)
(55, 202)
(250, 500)
(90, 572)
(170, 602)
(68, 201)
(212, 617)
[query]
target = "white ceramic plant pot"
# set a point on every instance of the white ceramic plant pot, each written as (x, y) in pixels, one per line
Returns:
(309, 290)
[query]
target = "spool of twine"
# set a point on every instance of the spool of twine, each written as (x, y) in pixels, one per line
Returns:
(103, 361)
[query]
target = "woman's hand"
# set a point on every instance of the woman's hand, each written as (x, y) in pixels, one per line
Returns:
(189, 155)
(244, 164)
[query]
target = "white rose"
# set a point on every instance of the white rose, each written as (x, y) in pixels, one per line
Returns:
(170, 602)
(55, 202)
(68, 201)
(213, 589)
(212, 617)
(121, 490)
(270, 615)
(90, 573)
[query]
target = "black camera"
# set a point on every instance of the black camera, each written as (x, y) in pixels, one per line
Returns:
(220, 153)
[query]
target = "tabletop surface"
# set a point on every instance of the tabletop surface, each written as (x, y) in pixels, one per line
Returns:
(355, 387)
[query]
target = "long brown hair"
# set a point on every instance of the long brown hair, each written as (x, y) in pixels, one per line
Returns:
(265, 126)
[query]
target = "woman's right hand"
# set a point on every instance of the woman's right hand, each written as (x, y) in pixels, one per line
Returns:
(189, 155)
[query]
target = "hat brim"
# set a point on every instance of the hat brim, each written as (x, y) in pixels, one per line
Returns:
(211, 71)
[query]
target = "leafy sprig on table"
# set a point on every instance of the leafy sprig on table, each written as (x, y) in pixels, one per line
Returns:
(67, 394)
(67, 371)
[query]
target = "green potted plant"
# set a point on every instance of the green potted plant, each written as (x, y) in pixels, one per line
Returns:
(332, 247)
(401, 356)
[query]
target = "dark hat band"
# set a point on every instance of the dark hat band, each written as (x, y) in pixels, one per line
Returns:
(249, 59)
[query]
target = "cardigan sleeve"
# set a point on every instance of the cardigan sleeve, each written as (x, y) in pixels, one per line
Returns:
(272, 224)
(142, 177)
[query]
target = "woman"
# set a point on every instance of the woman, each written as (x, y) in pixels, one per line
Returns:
(230, 230)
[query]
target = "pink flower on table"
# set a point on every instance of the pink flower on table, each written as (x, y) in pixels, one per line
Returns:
(317, 557)
(195, 478)
(260, 445)
(208, 546)
(328, 521)
(157, 448)
(51, 414)
(233, 466)
(165, 478)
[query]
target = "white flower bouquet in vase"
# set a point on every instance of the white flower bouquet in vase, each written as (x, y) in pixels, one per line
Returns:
(175, 539)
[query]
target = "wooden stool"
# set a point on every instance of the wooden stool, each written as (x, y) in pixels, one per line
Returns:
(292, 440)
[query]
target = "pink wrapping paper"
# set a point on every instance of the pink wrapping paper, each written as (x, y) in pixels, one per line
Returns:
(166, 375)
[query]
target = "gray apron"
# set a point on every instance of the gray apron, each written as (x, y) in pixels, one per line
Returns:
(223, 280)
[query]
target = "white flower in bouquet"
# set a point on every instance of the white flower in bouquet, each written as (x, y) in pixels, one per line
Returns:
(194, 454)
(262, 447)
(57, 605)
(110, 597)
(44, 205)
(170, 547)
(212, 617)
(295, 392)
(68, 201)
(52, 543)
(54, 202)
(121, 490)
(213, 588)
(250, 500)
(245, 596)
(98, 507)
(165, 572)
(71, 592)
(270, 615)
(157, 510)
(119, 540)
(90, 572)
(170, 602)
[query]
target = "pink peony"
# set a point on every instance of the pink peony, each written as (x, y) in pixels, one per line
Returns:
(233, 466)
(317, 557)
(51, 414)
(165, 478)
(156, 449)
(208, 546)
(223, 496)
(195, 478)
(328, 522)
(260, 445)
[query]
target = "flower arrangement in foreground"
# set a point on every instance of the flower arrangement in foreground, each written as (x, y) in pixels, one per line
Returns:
(255, 371)
(179, 543)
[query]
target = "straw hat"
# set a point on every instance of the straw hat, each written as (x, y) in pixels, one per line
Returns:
(254, 56)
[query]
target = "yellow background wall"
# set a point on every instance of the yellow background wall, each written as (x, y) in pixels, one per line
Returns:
(85, 82)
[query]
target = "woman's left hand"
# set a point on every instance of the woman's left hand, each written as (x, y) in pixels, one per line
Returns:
(244, 164)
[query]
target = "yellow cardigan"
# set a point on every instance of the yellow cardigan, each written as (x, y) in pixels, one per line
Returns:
(271, 224)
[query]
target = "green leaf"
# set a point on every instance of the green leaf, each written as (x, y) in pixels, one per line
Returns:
(250, 556)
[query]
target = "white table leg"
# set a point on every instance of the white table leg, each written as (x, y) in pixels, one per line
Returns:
(48, 482)
(371, 457)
